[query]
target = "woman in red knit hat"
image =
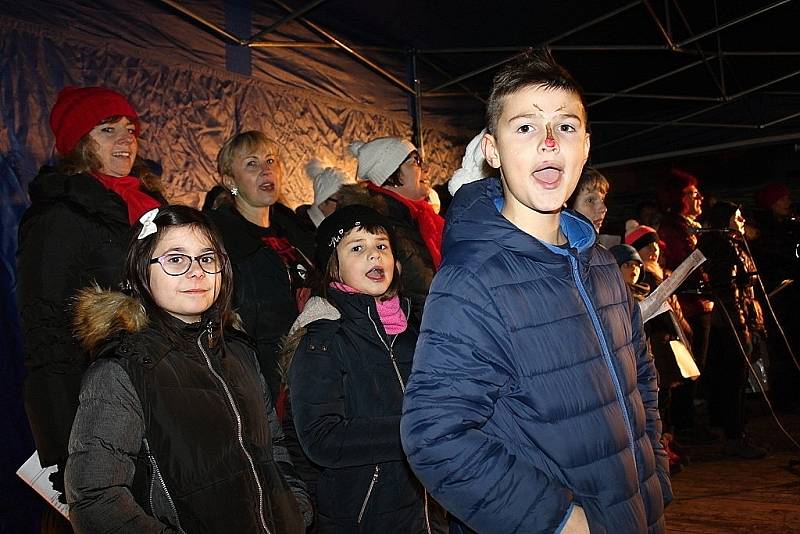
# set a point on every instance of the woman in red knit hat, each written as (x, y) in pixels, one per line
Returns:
(74, 234)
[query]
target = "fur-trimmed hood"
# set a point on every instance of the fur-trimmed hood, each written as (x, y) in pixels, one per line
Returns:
(316, 308)
(99, 314)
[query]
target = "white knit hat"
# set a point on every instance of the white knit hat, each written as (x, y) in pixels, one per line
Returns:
(471, 165)
(327, 181)
(379, 158)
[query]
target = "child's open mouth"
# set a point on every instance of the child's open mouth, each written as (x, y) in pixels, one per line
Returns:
(548, 175)
(376, 274)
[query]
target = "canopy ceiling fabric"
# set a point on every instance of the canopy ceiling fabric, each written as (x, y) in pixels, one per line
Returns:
(661, 76)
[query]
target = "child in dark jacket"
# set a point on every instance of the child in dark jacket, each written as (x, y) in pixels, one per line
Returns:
(175, 431)
(347, 378)
(533, 405)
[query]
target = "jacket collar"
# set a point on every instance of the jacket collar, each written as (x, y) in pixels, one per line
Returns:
(78, 189)
(474, 216)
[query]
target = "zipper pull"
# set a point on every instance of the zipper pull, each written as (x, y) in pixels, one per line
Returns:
(210, 332)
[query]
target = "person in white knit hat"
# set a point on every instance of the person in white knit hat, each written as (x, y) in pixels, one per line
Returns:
(327, 181)
(398, 187)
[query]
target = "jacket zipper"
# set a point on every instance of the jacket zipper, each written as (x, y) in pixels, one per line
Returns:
(390, 350)
(157, 474)
(606, 358)
(238, 429)
(372, 482)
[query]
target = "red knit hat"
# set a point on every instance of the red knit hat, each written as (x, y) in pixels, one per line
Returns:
(638, 235)
(79, 109)
(768, 195)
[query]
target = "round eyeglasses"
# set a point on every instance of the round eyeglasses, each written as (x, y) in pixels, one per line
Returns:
(176, 264)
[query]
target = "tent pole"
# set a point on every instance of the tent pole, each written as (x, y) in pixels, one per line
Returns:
(661, 29)
(419, 143)
(547, 42)
(704, 110)
(686, 124)
(732, 23)
(291, 16)
(651, 80)
(699, 48)
(700, 150)
(368, 62)
(208, 24)
(658, 96)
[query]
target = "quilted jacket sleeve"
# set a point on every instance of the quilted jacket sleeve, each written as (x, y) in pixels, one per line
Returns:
(647, 383)
(105, 439)
(329, 436)
(462, 366)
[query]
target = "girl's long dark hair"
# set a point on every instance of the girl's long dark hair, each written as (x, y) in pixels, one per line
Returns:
(137, 270)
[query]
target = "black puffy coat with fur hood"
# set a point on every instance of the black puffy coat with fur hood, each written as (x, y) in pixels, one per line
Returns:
(173, 437)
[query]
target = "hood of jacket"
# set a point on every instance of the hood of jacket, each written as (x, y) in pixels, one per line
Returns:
(99, 314)
(475, 217)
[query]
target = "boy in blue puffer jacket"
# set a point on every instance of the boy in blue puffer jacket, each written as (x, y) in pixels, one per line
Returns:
(532, 404)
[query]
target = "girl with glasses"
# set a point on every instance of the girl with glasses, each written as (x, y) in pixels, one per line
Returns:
(175, 430)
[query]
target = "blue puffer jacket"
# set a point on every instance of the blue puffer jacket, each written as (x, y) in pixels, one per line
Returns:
(532, 389)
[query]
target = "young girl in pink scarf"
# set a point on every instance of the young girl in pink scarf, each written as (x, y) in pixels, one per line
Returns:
(355, 345)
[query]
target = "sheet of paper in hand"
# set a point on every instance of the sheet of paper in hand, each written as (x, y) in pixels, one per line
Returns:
(38, 478)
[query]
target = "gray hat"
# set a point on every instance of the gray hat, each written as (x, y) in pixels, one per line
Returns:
(379, 158)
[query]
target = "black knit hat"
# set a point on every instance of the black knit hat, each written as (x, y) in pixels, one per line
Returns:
(337, 224)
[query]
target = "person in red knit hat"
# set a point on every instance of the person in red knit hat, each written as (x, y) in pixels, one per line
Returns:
(74, 234)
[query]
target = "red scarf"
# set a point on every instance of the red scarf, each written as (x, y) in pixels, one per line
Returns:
(137, 201)
(430, 224)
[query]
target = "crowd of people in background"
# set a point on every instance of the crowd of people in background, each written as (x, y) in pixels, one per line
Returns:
(343, 367)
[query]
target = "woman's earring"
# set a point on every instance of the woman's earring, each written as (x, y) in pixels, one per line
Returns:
(234, 190)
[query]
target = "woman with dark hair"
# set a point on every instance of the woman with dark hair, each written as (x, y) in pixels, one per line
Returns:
(737, 324)
(398, 188)
(175, 431)
(682, 203)
(73, 235)
(268, 246)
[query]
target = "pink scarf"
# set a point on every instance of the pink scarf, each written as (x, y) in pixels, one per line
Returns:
(391, 314)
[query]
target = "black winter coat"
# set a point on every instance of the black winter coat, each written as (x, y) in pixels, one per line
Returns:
(346, 391)
(265, 289)
(174, 435)
(74, 234)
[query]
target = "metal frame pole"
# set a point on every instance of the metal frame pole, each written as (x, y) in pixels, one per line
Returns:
(350, 50)
(420, 143)
(647, 82)
(208, 24)
(291, 16)
(704, 110)
(731, 23)
(547, 42)
(699, 150)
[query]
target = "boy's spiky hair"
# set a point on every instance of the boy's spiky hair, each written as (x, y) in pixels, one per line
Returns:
(530, 68)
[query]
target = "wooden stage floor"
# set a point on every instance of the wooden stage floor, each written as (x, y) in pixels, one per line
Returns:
(717, 494)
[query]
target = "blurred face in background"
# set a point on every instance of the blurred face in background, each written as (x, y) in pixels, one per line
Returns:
(630, 271)
(737, 222)
(592, 205)
(650, 252)
(692, 202)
